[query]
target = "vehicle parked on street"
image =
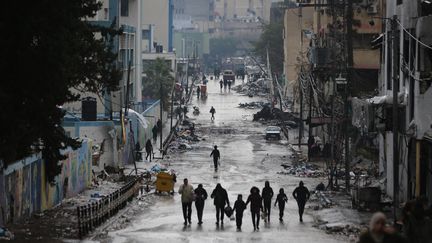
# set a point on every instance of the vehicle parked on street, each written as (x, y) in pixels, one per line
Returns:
(228, 75)
(273, 132)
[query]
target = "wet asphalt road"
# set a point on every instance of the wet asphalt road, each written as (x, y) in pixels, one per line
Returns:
(247, 160)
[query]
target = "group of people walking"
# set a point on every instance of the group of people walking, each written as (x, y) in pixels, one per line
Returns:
(260, 204)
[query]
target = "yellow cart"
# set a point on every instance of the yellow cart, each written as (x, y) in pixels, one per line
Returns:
(165, 182)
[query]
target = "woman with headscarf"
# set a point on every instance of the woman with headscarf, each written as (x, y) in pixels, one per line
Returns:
(256, 206)
(379, 232)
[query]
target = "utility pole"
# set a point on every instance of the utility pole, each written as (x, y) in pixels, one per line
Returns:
(161, 114)
(127, 89)
(395, 114)
(301, 109)
(350, 63)
(310, 118)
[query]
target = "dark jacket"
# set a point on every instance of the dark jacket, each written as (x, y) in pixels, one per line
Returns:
(155, 130)
(200, 195)
(366, 237)
(215, 153)
(239, 206)
(220, 197)
(212, 110)
(267, 193)
(301, 194)
(148, 146)
(281, 199)
(255, 201)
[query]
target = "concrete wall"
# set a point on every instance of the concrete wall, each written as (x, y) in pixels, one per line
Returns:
(156, 12)
(293, 45)
(24, 189)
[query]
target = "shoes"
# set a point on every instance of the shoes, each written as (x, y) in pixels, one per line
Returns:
(301, 219)
(280, 219)
(200, 222)
(217, 222)
(257, 227)
(185, 223)
(190, 222)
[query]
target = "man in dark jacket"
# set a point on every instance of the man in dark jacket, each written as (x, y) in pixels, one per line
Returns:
(216, 156)
(149, 149)
(267, 195)
(155, 132)
(256, 206)
(281, 199)
(159, 125)
(200, 197)
(220, 197)
(301, 195)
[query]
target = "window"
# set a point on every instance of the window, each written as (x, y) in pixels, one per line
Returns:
(124, 8)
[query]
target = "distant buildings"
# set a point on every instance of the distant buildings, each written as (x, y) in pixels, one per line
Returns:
(147, 28)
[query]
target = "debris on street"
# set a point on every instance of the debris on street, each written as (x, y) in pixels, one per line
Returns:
(253, 105)
(302, 170)
(184, 138)
(260, 87)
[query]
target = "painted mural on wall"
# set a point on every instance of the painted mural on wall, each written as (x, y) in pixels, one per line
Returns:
(26, 190)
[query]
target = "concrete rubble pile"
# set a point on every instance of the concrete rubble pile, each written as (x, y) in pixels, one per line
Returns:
(61, 221)
(267, 113)
(302, 170)
(253, 88)
(253, 105)
(184, 137)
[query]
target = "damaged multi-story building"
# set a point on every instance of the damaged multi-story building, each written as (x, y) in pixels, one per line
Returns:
(408, 64)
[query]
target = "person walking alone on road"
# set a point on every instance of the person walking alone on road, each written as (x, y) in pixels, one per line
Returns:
(281, 199)
(229, 85)
(149, 149)
(159, 125)
(187, 196)
(198, 90)
(256, 206)
(212, 111)
(155, 132)
(220, 197)
(239, 207)
(301, 195)
(200, 197)
(138, 151)
(221, 84)
(267, 195)
(216, 156)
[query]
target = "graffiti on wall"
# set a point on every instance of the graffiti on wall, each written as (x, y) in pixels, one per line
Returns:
(26, 190)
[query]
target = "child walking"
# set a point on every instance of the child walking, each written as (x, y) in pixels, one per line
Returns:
(281, 199)
(239, 207)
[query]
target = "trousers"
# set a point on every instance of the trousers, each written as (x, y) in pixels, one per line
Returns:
(187, 211)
